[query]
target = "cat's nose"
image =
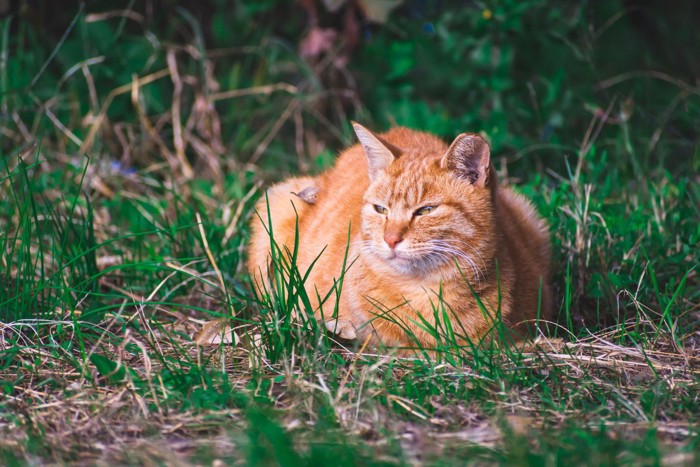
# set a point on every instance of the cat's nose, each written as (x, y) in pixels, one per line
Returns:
(392, 239)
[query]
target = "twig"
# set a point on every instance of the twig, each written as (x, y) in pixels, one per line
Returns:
(97, 124)
(218, 272)
(273, 132)
(267, 89)
(178, 142)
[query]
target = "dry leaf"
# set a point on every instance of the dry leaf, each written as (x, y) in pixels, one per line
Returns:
(308, 195)
(214, 332)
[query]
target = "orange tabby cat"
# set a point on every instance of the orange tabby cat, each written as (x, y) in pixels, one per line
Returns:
(428, 230)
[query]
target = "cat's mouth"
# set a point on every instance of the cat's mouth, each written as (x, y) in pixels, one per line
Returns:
(399, 258)
(411, 262)
(396, 255)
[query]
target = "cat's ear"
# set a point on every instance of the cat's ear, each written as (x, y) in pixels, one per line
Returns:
(468, 156)
(379, 153)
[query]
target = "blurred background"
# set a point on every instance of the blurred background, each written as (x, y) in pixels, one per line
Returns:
(529, 74)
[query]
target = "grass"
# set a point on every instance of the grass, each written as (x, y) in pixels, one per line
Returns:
(132, 157)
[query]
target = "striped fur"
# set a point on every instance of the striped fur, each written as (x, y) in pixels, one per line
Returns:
(477, 232)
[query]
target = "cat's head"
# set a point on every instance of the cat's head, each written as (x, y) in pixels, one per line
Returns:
(427, 205)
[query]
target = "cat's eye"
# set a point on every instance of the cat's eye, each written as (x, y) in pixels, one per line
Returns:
(381, 209)
(424, 210)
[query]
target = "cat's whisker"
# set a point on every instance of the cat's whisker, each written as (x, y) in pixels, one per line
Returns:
(435, 256)
(448, 247)
(478, 273)
(452, 242)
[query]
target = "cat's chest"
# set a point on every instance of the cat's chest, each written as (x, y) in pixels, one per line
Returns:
(386, 292)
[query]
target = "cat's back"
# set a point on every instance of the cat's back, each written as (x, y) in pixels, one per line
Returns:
(525, 236)
(519, 219)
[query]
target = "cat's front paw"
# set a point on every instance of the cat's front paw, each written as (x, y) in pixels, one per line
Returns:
(342, 328)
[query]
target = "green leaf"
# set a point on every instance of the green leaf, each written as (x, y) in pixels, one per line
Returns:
(108, 368)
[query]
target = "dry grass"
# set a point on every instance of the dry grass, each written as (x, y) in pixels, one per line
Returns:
(82, 415)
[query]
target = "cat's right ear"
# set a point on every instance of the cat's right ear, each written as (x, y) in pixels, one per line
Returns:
(379, 153)
(468, 156)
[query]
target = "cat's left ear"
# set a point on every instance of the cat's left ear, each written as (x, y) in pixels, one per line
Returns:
(468, 156)
(379, 153)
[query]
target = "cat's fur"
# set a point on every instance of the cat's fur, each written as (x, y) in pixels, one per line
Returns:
(477, 234)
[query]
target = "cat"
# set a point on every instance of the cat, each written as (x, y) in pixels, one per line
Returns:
(420, 227)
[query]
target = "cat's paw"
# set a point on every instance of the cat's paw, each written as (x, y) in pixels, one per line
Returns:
(342, 328)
